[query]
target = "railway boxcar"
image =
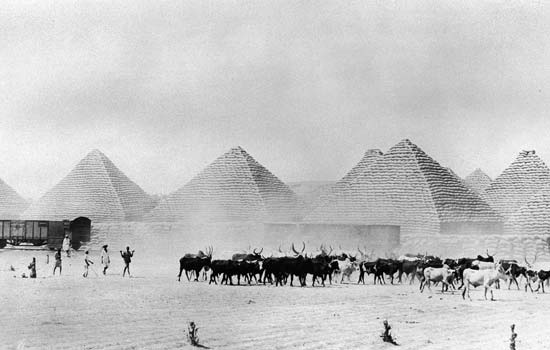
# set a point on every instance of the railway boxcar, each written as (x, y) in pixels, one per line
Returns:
(42, 232)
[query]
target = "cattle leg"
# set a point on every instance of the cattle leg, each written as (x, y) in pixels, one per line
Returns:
(468, 288)
(513, 279)
(528, 284)
(444, 286)
(197, 274)
(423, 285)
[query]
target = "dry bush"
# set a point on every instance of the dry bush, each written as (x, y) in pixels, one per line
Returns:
(386, 335)
(513, 338)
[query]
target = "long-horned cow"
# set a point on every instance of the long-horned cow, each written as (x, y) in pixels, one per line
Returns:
(483, 277)
(195, 263)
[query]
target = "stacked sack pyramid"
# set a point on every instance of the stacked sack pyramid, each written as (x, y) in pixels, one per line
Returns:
(404, 187)
(96, 189)
(235, 187)
(369, 157)
(478, 181)
(11, 203)
(522, 195)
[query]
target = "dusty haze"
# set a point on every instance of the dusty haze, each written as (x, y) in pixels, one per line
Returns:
(304, 87)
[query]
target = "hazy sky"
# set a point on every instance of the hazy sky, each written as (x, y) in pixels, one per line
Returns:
(163, 88)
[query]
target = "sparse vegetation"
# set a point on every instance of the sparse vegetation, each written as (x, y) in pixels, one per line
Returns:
(192, 334)
(513, 338)
(386, 335)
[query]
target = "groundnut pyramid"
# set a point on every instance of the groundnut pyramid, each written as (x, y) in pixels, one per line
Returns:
(406, 187)
(96, 189)
(235, 187)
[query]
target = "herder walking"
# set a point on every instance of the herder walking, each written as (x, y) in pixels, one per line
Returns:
(87, 263)
(32, 267)
(67, 245)
(105, 260)
(127, 256)
(57, 261)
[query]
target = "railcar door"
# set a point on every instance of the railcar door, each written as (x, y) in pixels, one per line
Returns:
(17, 232)
(4, 232)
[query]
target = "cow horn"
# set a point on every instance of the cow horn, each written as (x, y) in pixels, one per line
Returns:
(359, 250)
(294, 249)
(330, 250)
(303, 246)
(254, 251)
(260, 252)
(280, 251)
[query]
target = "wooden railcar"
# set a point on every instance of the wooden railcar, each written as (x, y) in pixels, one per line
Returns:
(43, 232)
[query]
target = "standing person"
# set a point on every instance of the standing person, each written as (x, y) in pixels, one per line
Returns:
(87, 262)
(57, 261)
(67, 245)
(105, 260)
(32, 267)
(127, 256)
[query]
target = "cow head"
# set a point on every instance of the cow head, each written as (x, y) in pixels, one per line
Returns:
(209, 251)
(301, 252)
(530, 265)
(256, 255)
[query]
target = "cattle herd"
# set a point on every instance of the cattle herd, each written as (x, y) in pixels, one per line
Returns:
(278, 269)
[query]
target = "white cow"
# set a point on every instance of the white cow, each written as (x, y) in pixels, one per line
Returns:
(345, 268)
(483, 277)
(437, 274)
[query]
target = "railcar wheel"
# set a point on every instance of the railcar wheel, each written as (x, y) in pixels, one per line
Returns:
(3, 243)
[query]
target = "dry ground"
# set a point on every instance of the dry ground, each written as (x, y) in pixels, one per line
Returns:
(151, 311)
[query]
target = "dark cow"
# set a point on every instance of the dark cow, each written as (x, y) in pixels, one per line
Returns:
(226, 268)
(281, 268)
(230, 268)
(543, 276)
(385, 266)
(366, 267)
(320, 268)
(195, 263)
(515, 271)
(489, 258)
(408, 268)
(254, 256)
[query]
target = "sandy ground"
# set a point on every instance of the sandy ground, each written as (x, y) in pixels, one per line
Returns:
(152, 310)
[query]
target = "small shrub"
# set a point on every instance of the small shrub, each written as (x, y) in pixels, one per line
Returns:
(513, 338)
(386, 335)
(192, 334)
